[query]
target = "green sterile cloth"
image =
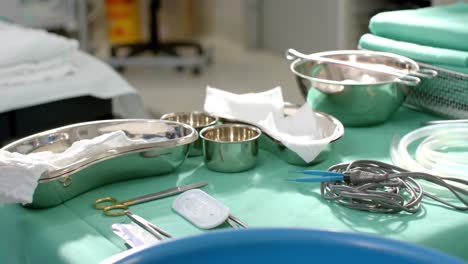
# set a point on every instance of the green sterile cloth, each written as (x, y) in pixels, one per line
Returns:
(452, 68)
(427, 54)
(75, 232)
(439, 26)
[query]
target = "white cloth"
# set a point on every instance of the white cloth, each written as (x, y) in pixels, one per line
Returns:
(38, 67)
(18, 177)
(37, 76)
(33, 55)
(300, 133)
(92, 77)
(20, 173)
(251, 107)
(85, 149)
(133, 235)
(22, 45)
(34, 67)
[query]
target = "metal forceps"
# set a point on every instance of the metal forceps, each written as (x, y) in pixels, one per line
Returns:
(235, 222)
(119, 208)
(156, 231)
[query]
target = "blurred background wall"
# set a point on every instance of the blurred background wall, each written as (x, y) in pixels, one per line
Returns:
(246, 38)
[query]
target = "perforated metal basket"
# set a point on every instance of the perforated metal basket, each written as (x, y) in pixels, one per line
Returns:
(445, 95)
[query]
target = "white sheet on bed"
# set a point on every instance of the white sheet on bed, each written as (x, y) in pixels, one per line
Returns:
(92, 77)
(23, 46)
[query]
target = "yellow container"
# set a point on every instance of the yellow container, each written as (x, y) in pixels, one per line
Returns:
(123, 21)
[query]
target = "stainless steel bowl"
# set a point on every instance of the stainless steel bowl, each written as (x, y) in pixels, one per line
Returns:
(197, 120)
(335, 129)
(230, 147)
(355, 96)
(160, 156)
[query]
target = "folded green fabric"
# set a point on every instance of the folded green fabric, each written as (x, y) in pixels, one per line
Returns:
(427, 54)
(439, 26)
(451, 68)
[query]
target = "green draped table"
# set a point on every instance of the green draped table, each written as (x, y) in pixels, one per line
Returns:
(75, 232)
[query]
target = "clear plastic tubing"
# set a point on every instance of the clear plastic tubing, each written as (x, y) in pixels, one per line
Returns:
(443, 152)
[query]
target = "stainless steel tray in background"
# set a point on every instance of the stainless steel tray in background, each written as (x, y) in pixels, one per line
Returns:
(140, 160)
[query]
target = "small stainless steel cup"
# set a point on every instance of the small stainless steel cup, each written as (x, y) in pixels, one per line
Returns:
(197, 120)
(230, 147)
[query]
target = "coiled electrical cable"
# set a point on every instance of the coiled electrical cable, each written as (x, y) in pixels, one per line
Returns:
(379, 187)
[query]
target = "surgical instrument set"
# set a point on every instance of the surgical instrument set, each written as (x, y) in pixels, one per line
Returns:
(194, 205)
(119, 208)
(204, 211)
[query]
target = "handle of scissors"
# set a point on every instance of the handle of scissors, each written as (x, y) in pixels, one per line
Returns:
(113, 209)
(108, 200)
(121, 208)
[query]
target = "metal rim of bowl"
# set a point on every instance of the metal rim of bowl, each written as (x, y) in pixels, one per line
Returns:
(167, 143)
(339, 130)
(336, 135)
(173, 114)
(299, 61)
(193, 136)
(257, 130)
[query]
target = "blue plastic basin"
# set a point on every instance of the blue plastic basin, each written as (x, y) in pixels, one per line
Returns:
(273, 245)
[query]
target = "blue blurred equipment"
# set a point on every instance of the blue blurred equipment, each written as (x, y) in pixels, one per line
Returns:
(276, 245)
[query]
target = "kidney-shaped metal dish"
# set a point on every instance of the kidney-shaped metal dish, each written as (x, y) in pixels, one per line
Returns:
(165, 148)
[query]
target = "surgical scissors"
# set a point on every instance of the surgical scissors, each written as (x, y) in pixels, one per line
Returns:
(116, 208)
